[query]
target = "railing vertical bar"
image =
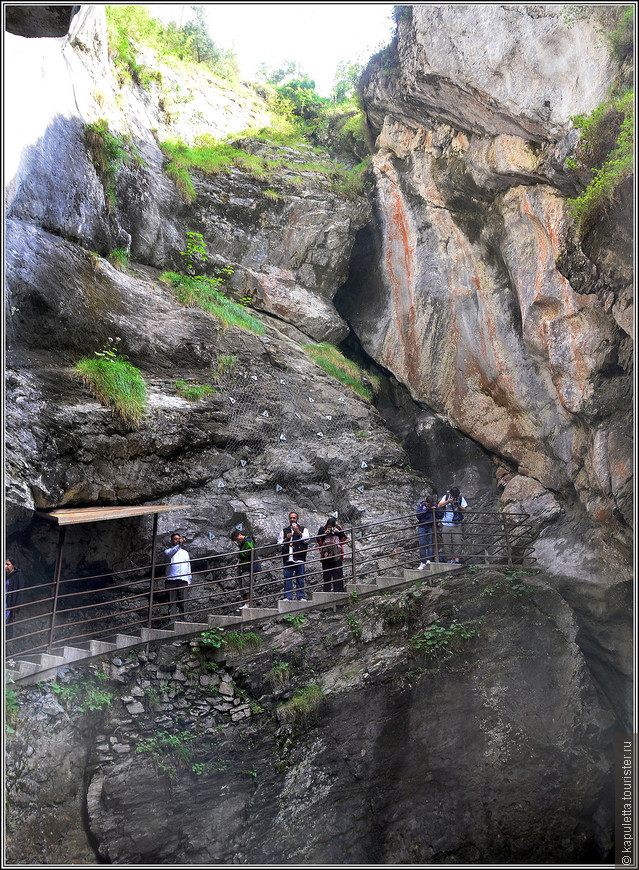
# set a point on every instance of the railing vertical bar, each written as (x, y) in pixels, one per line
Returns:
(251, 577)
(507, 538)
(353, 560)
(153, 564)
(58, 571)
(435, 541)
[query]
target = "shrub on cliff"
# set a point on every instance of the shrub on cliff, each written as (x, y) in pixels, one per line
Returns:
(130, 27)
(607, 148)
(109, 153)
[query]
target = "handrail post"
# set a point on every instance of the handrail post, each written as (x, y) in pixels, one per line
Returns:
(435, 541)
(251, 575)
(153, 550)
(353, 565)
(56, 580)
(507, 538)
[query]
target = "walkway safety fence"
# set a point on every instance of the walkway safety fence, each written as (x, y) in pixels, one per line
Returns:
(75, 610)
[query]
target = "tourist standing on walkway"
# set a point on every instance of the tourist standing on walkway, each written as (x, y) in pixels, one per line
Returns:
(425, 530)
(13, 586)
(245, 544)
(455, 506)
(330, 538)
(178, 574)
(294, 541)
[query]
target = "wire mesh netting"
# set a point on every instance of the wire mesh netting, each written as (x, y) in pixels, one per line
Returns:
(282, 429)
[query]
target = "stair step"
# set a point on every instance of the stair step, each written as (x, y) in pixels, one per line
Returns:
(123, 640)
(324, 597)
(25, 668)
(361, 588)
(383, 582)
(155, 634)
(190, 627)
(257, 613)
(433, 568)
(215, 621)
(71, 653)
(97, 647)
(49, 661)
(285, 605)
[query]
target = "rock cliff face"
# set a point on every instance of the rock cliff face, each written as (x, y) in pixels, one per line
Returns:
(468, 285)
(505, 349)
(494, 751)
(468, 308)
(289, 254)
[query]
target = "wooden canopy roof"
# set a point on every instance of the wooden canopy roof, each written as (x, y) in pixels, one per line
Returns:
(74, 516)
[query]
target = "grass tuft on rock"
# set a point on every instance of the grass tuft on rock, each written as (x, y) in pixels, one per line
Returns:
(200, 292)
(304, 706)
(334, 363)
(117, 384)
(192, 391)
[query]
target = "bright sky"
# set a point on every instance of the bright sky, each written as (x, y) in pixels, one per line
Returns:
(317, 35)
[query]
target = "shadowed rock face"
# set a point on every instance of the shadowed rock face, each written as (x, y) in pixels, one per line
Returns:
(38, 20)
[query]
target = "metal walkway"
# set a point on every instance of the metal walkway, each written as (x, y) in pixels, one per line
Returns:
(29, 669)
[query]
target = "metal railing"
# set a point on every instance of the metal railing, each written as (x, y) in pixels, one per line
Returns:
(73, 611)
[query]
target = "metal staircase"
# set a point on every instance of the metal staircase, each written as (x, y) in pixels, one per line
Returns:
(32, 668)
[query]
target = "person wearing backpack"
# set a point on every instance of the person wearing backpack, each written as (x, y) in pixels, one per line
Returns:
(455, 505)
(330, 538)
(426, 516)
(245, 543)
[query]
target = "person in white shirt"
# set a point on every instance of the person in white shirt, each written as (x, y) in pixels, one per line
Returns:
(455, 506)
(294, 541)
(178, 574)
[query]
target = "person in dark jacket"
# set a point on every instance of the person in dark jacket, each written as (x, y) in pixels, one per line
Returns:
(294, 541)
(13, 588)
(425, 530)
(330, 538)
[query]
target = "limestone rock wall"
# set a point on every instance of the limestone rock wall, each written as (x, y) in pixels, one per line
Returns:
(478, 298)
(289, 250)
